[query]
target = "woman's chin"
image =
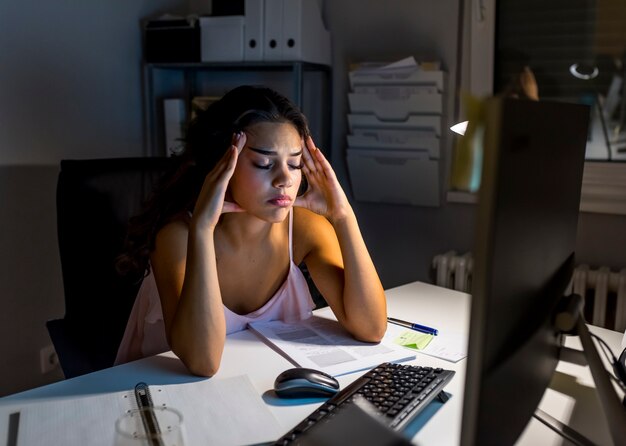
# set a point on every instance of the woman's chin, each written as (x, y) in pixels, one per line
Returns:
(275, 214)
(269, 213)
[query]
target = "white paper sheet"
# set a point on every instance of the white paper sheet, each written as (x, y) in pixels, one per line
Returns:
(225, 411)
(322, 344)
(222, 412)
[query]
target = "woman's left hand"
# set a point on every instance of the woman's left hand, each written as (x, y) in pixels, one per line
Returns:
(324, 195)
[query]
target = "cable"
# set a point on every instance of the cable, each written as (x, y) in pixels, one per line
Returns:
(604, 344)
(619, 383)
(618, 367)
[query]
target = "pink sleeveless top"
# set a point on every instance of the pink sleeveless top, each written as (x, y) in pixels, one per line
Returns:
(145, 331)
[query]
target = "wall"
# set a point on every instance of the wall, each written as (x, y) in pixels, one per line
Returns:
(69, 88)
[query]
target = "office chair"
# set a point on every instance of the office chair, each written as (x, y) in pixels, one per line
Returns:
(95, 199)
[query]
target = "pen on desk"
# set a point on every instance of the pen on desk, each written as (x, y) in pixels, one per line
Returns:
(150, 423)
(412, 326)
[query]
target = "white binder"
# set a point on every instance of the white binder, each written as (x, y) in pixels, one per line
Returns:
(304, 36)
(253, 30)
(273, 30)
(221, 39)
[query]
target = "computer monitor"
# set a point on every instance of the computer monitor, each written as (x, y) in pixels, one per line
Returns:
(533, 158)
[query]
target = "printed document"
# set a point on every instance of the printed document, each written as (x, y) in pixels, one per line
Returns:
(321, 343)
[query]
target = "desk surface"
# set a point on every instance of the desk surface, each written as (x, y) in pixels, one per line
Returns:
(430, 305)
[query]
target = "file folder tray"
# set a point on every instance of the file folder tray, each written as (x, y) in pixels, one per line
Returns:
(400, 177)
(396, 91)
(395, 140)
(390, 107)
(419, 123)
(398, 77)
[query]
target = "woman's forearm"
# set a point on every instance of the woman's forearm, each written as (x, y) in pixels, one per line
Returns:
(365, 307)
(198, 328)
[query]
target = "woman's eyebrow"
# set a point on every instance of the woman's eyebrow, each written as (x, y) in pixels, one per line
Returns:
(272, 152)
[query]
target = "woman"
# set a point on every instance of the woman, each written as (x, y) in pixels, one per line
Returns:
(222, 237)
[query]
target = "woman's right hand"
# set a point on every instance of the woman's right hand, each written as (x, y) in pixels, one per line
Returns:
(211, 203)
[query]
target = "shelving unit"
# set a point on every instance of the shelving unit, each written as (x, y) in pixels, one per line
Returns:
(187, 80)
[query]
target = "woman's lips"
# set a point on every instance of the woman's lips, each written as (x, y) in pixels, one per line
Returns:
(280, 200)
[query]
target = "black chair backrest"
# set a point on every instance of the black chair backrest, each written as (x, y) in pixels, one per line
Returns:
(95, 200)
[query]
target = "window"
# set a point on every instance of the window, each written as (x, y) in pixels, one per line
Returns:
(577, 51)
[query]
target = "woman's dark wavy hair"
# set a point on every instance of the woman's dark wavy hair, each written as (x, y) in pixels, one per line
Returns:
(207, 138)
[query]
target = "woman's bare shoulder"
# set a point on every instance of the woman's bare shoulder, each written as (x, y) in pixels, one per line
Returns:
(309, 220)
(172, 234)
(310, 231)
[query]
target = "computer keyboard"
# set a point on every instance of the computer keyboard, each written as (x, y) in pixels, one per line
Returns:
(399, 392)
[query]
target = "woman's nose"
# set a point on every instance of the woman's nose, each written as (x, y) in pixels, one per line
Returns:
(283, 178)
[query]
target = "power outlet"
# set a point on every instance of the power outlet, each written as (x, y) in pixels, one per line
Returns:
(48, 359)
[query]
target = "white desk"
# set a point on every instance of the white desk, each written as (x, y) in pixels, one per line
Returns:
(430, 305)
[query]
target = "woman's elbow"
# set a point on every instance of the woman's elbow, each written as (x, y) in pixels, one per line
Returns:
(202, 370)
(205, 368)
(373, 334)
(199, 364)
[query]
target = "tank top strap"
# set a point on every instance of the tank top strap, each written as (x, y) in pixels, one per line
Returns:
(291, 235)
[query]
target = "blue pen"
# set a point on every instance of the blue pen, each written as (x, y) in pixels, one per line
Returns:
(412, 326)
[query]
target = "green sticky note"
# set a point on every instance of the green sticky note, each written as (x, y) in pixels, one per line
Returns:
(413, 339)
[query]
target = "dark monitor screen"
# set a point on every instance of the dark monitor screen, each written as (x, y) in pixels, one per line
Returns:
(533, 158)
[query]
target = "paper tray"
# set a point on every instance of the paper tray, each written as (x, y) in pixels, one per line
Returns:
(395, 140)
(410, 178)
(399, 77)
(413, 122)
(396, 107)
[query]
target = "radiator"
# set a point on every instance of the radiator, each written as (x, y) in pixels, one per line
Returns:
(453, 271)
(603, 290)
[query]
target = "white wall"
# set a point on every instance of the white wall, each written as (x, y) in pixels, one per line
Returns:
(69, 88)
(70, 79)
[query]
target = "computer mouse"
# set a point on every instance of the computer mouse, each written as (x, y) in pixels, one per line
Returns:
(305, 383)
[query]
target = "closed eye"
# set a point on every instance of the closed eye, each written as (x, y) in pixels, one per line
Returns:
(269, 166)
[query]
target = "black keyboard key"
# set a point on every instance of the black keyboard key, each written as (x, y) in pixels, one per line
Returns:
(316, 416)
